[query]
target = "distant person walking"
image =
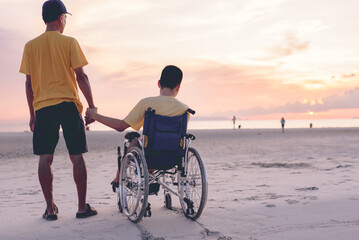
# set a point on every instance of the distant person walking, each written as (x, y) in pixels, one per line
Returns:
(50, 63)
(282, 122)
(234, 122)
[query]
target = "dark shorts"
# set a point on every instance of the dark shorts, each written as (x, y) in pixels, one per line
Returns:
(47, 125)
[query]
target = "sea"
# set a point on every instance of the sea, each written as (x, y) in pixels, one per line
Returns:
(224, 124)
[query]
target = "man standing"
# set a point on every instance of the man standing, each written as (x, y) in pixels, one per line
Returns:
(50, 63)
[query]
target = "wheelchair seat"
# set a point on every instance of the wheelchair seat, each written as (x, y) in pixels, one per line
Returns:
(164, 139)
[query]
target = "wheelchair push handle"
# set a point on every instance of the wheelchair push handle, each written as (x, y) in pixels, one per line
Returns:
(191, 111)
(151, 110)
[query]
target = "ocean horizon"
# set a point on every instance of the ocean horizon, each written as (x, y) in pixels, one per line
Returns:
(225, 124)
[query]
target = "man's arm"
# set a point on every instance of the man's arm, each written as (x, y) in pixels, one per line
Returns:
(30, 100)
(114, 123)
(84, 85)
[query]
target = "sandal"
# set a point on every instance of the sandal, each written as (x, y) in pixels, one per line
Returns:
(51, 217)
(90, 211)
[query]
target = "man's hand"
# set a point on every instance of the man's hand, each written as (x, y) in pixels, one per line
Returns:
(89, 115)
(31, 123)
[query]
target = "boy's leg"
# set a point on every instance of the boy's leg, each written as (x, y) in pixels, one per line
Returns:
(46, 178)
(80, 177)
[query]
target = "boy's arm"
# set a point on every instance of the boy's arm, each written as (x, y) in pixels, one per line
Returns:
(30, 100)
(114, 123)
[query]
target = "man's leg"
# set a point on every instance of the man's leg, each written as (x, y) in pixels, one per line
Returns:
(80, 177)
(45, 138)
(75, 138)
(46, 178)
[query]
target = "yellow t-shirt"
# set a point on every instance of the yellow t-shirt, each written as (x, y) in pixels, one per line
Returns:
(50, 60)
(164, 105)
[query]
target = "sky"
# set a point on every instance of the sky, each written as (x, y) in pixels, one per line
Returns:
(254, 59)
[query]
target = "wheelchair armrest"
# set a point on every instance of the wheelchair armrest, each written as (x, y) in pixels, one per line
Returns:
(190, 136)
(131, 135)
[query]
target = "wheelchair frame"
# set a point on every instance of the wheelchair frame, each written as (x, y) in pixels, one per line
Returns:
(189, 177)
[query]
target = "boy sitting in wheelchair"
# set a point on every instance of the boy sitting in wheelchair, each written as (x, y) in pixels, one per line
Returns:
(165, 109)
(165, 104)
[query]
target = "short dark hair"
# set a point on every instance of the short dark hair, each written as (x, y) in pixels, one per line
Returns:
(171, 77)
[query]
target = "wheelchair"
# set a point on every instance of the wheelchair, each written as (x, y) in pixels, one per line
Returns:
(163, 158)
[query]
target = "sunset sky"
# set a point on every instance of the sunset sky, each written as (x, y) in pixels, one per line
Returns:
(256, 59)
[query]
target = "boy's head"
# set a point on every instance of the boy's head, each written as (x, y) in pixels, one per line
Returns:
(171, 77)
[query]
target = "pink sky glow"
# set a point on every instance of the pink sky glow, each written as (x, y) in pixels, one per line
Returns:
(254, 59)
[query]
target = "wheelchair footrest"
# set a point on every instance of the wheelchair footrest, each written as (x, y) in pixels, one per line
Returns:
(189, 211)
(190, 205)
(148, 212)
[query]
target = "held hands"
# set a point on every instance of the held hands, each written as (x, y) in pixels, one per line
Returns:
(89, 118)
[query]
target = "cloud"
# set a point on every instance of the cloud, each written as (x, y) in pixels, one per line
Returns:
(290, 44)
(347, 100)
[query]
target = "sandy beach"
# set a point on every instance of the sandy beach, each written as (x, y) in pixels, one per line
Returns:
(263, 184)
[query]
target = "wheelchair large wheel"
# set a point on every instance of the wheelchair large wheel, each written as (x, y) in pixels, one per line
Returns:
(134, 185)
(194, 185)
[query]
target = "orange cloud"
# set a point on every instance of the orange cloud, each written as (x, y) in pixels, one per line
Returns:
(291, 44)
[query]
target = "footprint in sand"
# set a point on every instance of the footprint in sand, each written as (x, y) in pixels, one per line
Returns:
(311, 197)
(270, 205)
(291, 201)
(307, 189)
(30, 193)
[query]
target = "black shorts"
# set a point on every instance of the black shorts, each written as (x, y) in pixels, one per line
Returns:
(47, 126)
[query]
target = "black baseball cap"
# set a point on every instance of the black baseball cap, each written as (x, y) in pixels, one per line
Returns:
(52, 10)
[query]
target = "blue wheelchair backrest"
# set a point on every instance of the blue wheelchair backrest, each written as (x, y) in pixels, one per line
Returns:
(164, 139)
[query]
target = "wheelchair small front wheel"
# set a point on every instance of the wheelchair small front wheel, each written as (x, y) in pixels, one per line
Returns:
(168, 201)
(133, 191)
(193, 186)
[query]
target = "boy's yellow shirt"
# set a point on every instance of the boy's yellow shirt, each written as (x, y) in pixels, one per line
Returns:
(164, 105)
(50, 60)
